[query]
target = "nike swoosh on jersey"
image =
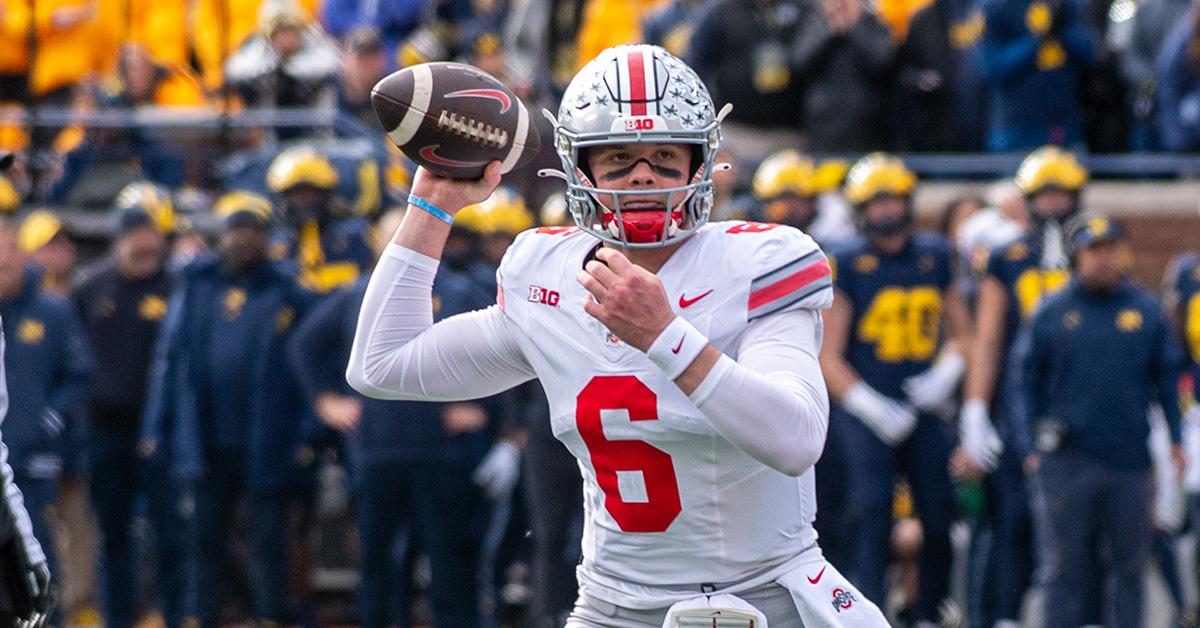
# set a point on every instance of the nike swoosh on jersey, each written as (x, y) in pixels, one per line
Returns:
(812, 580)
(685, 302)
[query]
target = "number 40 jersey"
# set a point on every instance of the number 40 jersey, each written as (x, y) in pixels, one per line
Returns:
(670, 504)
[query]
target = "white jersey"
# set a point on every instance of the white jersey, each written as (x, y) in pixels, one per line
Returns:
(669, 503)
(684, 494)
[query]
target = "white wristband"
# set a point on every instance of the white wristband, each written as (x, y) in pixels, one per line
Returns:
(676, 347)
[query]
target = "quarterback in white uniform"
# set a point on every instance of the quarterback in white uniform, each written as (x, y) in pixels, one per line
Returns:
(679, 359)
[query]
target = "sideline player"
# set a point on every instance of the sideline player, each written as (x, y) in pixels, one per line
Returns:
(679, 358)
(893, 359)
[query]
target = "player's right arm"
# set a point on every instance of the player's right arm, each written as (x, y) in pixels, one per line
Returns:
(983, 360)
(398, 352)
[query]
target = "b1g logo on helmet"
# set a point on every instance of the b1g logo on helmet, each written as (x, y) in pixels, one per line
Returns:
(842, 599)
(639, 124)
(538, 294)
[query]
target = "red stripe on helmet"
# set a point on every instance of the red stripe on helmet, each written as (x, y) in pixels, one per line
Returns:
(637, 83)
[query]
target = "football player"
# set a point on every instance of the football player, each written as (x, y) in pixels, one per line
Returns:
(789, 188)
(679, 358)
(1016, 277)
(1181, 296)
(893, 358)
(324, 249)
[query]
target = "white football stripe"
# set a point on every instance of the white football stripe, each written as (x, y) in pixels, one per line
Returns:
(422, 94)
(518, 141)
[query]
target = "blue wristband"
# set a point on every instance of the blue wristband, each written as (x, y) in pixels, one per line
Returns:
(431, 208)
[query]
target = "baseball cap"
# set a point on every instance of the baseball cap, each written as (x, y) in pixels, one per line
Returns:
(1089, 228)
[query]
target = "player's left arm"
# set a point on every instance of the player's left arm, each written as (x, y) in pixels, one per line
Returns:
(771, 402)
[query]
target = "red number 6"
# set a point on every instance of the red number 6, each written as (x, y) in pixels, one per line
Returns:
(626, 392)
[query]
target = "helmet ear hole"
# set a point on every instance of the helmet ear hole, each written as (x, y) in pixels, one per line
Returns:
(697, 160)
(584, 163)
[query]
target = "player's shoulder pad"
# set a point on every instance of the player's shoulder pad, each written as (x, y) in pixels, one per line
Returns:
(1006, 256)
(532, 253)
(788, 271)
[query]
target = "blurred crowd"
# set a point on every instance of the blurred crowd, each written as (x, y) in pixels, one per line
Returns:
(180, 424)
(102, 90)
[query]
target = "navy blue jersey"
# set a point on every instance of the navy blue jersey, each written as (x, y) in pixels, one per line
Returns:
(325, 258)
(1017, 266)
(897, 300)
(1183, 288)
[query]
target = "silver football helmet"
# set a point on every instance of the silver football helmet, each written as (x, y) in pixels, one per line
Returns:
(637, 93)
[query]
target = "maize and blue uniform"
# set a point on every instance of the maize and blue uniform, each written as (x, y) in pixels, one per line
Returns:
(122, 319)
(1183, 283)
(408, 474)
(896, 333)
(49, 368)
(1008, 569)
(224, 394)
(1093, 363)
(324, 257)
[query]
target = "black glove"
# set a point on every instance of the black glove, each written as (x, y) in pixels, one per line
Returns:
(28, 587)
(41, 589)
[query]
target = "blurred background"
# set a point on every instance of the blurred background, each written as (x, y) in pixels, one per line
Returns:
(149, 133)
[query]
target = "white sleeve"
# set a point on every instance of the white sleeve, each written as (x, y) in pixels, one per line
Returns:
(772, 402)
(399, 353)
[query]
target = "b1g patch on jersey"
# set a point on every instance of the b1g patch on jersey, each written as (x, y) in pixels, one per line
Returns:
(545, 296)
(804, 282)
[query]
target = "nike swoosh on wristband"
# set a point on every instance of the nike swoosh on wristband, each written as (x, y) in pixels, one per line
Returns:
(685, 302)
(679, 346)
(812, 580)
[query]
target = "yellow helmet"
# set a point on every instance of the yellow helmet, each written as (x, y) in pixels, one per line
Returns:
(784, 172)
(1050, 166)
(243, 202)
(876, 174)
(9, 199)
(150, 199)
(503, 212)
(37, 230)
(301, 166)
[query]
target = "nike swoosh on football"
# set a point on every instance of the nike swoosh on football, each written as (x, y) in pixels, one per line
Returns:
(812, 580)
(680, 345)
(685, 302)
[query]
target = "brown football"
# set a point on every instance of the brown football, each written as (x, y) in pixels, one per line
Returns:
(454, 119)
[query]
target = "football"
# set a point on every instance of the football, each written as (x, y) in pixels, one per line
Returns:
(454, 119)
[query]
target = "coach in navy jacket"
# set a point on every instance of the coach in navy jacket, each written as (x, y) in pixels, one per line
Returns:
(1092, 359)
(223, 395)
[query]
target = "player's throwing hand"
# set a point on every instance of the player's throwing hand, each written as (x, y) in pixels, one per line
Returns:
(627, 298)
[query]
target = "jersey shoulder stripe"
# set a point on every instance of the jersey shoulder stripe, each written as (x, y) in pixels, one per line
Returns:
(804, 282)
